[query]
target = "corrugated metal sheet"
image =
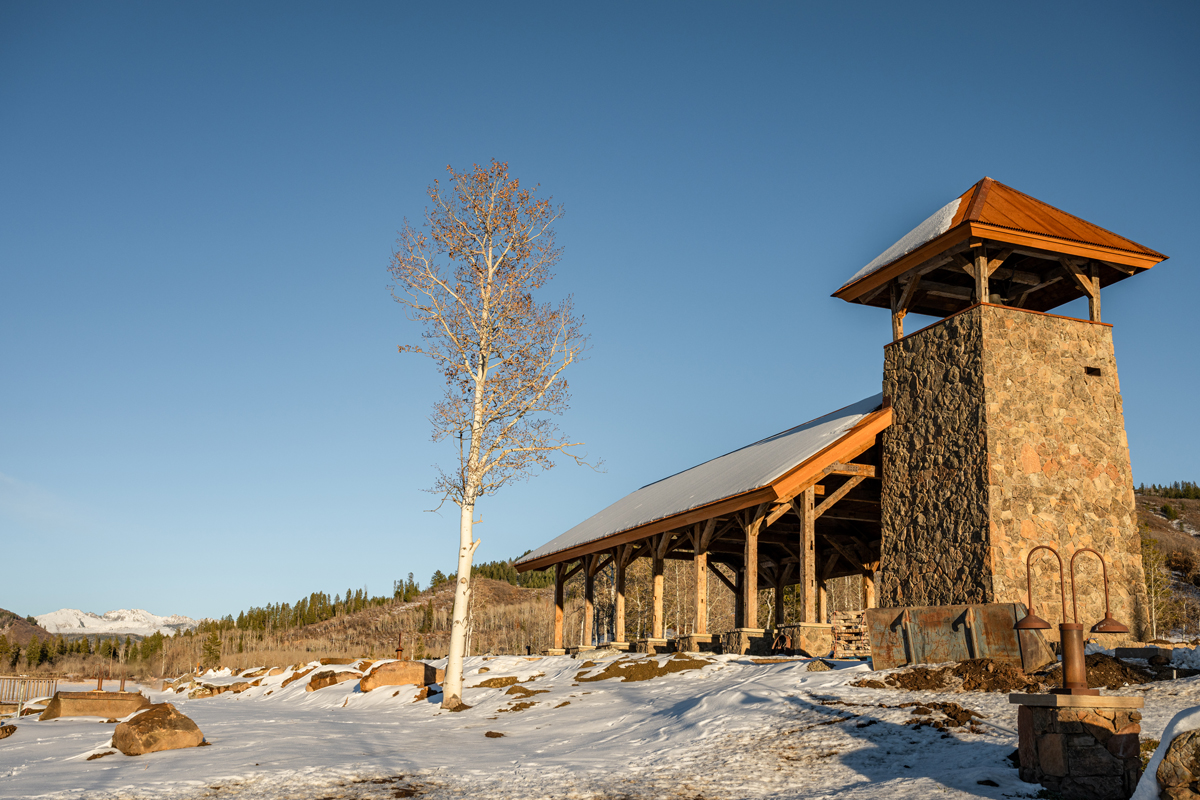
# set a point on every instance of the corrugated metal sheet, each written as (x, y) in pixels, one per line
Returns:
(927, 231)
(744, 470)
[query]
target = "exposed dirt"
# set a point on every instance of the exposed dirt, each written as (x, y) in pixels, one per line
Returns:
(985, 675)
(518, 706)
(643, 669)
(497, 683)
(520, 691)
(1103, 671)
(494, 735)
(563, 703)
(94, 756)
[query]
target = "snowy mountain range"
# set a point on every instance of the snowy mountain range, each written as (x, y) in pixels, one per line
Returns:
(123, 621)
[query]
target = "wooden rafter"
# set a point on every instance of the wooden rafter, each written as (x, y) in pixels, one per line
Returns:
(730, 584)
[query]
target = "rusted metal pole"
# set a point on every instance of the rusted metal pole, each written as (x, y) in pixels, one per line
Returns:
(400, 646)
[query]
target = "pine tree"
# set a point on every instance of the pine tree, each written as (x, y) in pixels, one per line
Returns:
(4, 646)
(212, 649)
(33, 653)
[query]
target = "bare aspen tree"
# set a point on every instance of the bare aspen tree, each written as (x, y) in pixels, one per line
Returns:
(469, 277)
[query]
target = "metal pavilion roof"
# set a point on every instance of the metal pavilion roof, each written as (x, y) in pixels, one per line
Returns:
(752, 467)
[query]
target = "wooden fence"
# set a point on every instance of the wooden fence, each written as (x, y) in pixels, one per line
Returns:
(17, 690)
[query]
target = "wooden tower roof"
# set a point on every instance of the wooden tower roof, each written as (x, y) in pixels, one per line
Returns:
(1032, 248)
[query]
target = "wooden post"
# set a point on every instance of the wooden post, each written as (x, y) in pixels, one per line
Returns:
(559, 570)
(981, 277)
(700, 564)
(619, 574)
(822, 602)
(589, 601)
(1094, 297)
(750, 584)
(808, 555)
(739, 598)
(656, 631)
(779, 608)
(868, 585)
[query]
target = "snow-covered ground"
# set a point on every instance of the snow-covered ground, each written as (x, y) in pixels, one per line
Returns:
(731, 729)
(121, 622)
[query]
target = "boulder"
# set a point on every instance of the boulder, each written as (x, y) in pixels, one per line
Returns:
(330, 678)
(7, 731)
(1179, 771)
(401, 673)
(160, 727)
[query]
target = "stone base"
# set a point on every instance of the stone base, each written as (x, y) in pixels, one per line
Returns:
(698, 643)
(622, 646)
(746, 641)
(652, 646)
(581, 650)
(1082, 747)
(554, 651)
(812, 639)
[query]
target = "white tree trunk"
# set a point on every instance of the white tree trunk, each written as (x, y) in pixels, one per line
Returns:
(452, 686)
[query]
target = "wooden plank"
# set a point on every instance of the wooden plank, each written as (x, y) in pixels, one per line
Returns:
(851, 558)
(829, 502)
(573, 571)
(1094, 300)
(706, 535)
(1063, 246)
(993, 264)
(979, 197)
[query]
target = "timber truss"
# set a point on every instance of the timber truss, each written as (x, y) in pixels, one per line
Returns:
(819, 521)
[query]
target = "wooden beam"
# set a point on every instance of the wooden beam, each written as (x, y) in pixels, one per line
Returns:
(1088, 279)
(619, 579)
(573, 571)
(808, 555)
(993, 264)
(751, 526)
(657, 613)
(720, 508)
(829, 502)
(601, 564)
(559, 601)
(982, 292)
(827, 570)
(868, 587)
(706, 535)
(721, 576)
(853, 444)
(589, 602)
(855, 559)
(700, 573)
(859, 470)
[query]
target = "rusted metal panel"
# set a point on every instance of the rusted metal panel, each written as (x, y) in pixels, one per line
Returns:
(936, 634)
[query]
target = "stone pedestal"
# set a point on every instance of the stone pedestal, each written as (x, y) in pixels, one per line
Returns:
(554, 651)
(652, 646)
(698, 643)
(746, 641)
(808, 638)
(1082, 747)
(582, 651)
(624, 647)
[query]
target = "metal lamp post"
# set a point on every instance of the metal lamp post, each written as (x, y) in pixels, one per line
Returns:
(1070, 633)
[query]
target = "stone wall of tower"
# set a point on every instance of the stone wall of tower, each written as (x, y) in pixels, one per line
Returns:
(935, 548)
(1008, 433)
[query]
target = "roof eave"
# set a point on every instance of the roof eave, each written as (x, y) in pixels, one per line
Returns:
(968, 229)
(850, 444)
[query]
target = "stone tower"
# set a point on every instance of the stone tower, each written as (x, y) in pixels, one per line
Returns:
(1007, 429)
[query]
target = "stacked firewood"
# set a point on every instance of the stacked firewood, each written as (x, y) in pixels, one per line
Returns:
(850, 635)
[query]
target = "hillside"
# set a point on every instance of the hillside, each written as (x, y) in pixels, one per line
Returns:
(16, 629)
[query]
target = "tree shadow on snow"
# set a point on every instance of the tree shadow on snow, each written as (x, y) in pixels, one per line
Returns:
(955, 758)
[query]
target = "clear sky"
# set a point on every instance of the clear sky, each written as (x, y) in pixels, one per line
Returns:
(201, 403)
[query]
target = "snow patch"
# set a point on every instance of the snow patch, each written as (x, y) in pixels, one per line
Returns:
(927, 231)
(137, 622)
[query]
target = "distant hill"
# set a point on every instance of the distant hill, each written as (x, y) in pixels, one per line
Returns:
(16, 629)
(123, 622)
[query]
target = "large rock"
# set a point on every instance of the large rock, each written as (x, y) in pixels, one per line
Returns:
(1179, 771)
(7, 731)
(160, 727)
(329, 678)
(401, 673)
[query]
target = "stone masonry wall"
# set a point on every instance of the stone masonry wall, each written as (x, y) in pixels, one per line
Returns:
(935, 549)
(1059, 464)
(1004, 438)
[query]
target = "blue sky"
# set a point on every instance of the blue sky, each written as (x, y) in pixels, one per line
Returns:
(201, 403)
